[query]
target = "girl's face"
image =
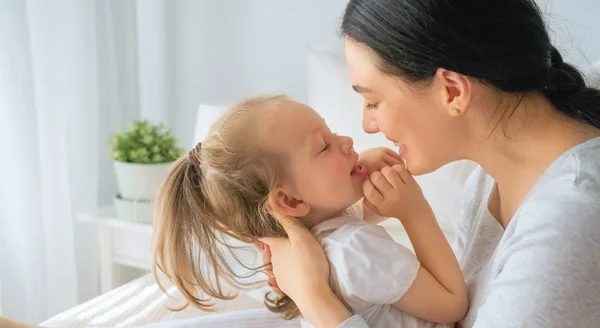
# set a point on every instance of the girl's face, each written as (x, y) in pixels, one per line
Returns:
(323, 176)
(416, 119)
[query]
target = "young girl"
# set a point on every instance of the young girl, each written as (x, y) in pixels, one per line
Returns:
(271, 154)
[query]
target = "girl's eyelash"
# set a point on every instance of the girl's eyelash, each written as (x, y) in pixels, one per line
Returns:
(372, 105)
(327, 144)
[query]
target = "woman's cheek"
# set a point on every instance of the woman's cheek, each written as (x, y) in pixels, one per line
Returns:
(386, 123)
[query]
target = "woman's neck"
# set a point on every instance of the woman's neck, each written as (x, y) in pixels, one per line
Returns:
(522, 148)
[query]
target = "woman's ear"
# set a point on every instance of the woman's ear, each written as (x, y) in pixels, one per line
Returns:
(284, 202)
(457, 91)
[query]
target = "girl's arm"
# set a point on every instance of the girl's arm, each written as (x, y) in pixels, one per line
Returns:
(438, 293)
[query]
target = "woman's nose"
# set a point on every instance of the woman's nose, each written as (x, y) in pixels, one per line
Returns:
(369, 123)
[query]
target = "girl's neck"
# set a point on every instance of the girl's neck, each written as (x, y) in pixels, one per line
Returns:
(316, 218)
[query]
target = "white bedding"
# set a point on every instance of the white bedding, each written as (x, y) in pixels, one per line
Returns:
(141, 302)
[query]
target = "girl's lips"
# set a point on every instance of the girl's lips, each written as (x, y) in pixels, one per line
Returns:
(358, 170)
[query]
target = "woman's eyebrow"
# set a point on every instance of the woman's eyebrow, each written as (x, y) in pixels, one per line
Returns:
(361, 89)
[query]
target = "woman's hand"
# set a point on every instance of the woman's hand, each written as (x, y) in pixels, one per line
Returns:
(375, 159)
(302, 272)
(265, 251)
(298, 261)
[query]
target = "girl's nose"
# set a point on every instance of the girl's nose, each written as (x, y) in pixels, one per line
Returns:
(347, 144)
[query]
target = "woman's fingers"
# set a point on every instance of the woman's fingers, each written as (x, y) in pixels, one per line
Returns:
(265, 251)
(299, 262)
(275, 243)
(292, 227)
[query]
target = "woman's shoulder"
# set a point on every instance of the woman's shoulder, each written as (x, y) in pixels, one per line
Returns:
(573, 178)
(567, 196)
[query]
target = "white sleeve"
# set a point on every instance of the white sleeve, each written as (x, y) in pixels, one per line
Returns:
(373, 267)
(356, 210)
(354, 321)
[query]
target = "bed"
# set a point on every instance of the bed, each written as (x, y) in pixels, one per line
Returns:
(141, 302)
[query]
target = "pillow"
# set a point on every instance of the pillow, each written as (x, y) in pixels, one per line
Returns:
(330, 93)
(205, 117)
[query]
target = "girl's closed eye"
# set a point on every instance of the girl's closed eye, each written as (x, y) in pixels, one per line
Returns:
(327, 144)
(372, 105)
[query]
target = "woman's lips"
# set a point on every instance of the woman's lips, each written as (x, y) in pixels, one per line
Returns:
(403, 151)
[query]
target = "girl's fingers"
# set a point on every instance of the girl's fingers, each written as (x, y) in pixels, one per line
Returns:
(392, 177)
(380, 183)
(371, 193)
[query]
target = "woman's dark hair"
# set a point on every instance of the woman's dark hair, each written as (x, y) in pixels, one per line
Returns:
(504, 44)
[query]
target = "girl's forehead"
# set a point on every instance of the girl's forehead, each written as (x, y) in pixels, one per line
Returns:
(289, 128)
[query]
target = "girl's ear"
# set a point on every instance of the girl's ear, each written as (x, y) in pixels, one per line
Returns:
(284, 202)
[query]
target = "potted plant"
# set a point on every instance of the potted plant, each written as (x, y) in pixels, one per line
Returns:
(142, 156)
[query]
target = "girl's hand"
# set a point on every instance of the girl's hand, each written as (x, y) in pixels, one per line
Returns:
(375, 159)
(393, 192)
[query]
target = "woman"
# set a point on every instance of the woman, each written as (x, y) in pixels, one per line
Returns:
(478, 80)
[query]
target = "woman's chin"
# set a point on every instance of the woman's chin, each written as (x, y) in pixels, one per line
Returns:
(416, 168)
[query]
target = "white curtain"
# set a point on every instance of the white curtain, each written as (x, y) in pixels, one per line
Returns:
(69, 73)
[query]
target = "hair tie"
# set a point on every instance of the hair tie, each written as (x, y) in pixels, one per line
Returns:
(556, 59)
(194, 154)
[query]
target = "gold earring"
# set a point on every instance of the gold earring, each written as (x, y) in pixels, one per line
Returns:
(456, 112)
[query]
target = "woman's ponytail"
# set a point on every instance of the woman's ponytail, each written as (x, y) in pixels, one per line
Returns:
(566, 89)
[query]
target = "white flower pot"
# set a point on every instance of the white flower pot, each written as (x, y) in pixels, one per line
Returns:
(137, 211)
(140, 181)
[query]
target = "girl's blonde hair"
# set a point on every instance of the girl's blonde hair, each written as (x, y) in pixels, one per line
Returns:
(219, 190)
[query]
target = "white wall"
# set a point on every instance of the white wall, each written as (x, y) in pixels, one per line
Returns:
(575, 29)
(220, 51)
